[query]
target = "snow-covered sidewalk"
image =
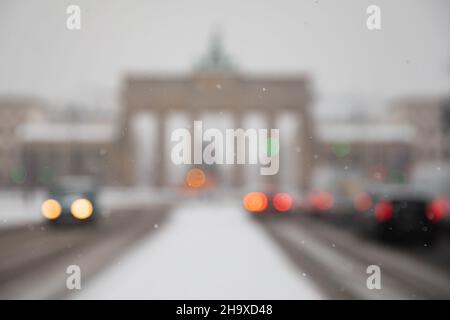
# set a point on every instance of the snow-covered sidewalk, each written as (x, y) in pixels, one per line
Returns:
(18, 208)
(204, 251)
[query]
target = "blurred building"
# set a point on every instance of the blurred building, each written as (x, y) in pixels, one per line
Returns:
(67, 142)
(430, 116)
(216, 86)
(375, 150)
(414, 130)
(15, 111)
(38, 143)
(53, 149)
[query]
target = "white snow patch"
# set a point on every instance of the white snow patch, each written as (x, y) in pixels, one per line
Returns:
(18, 207)
(205, 251)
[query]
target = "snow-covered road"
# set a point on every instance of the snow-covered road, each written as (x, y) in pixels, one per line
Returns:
(206, 250)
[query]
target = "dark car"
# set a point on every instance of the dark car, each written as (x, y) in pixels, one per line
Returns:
(404, 212)
(71, 200)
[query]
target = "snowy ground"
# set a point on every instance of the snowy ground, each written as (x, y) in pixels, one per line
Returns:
(203, 251)
(18, 208)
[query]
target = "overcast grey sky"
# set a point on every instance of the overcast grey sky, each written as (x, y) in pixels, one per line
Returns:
(326, 39)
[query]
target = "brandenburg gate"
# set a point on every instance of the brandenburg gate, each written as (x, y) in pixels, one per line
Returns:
(198, 92)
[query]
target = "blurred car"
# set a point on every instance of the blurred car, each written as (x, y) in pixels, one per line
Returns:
(319, 202)
(402, 212)
(331, 194)
(71, 200)
(433, 178)
(270, 202)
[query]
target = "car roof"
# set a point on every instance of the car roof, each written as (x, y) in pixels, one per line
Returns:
(398, 191)
(75, 183)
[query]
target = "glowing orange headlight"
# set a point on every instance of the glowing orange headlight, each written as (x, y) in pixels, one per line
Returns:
(81, 209)
(51, 209)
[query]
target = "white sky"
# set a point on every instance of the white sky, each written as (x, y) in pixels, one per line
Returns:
(326, 39)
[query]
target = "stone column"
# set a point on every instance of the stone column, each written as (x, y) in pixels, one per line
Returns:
(271, 123)
(195, 115)
(306, 144)
(125, 149)
(238, 169)
(159, 152)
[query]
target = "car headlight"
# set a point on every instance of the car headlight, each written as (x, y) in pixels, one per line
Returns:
(81, 209)
(51, 209)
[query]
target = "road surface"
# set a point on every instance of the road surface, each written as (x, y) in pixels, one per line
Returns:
(337, 259)
(213, 249)
(34, 257)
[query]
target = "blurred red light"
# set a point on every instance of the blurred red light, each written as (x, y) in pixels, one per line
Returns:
(384, 211)
(362, 202)
(322, 201)
(438, 209)
(282, 202)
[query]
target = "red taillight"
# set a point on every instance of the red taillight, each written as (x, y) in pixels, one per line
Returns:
(362, 202)
(282, 202)
(321, 201)
(437, 209)
(384, 211)
(255, 201)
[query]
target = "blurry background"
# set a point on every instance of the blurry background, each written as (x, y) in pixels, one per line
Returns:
(355, 108)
